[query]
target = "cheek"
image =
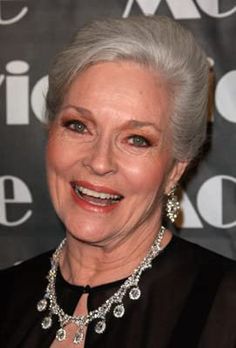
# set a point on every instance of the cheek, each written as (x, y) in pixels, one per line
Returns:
(146, 175)
(52, 166)
(53, 159)
(58, 156)
(57, 162)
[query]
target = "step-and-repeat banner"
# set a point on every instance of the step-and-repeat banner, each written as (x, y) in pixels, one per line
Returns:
(31, 32)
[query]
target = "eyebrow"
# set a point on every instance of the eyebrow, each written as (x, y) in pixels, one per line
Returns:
(140, 124)
(81, 110)
(131, 123)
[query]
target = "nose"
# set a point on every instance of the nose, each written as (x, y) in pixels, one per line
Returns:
(100, 158)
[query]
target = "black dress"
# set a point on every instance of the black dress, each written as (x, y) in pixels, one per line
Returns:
(188, 300)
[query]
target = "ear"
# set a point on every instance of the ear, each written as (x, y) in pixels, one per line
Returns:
(176, 172)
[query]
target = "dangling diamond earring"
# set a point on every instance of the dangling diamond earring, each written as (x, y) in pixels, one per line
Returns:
(172, 205)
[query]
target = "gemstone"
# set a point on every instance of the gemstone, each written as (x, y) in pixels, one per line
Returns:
(100, 327)
(54, 309)
(119, 311)
(79, 336)
(134, 293)
(61, 334)
(46, 323)
(42, 305)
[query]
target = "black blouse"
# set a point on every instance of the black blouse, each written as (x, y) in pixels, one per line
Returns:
(188, 299)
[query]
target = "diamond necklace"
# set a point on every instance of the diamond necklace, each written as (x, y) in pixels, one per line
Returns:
(116, 301)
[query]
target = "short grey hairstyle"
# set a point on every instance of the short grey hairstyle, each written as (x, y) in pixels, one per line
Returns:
(156, 42)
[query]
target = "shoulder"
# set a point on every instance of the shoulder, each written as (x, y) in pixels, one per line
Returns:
(201, 256)
(22, 286)
(210, 311)
(220, 326)
(210, 271)
(28, 268)
(23, 279)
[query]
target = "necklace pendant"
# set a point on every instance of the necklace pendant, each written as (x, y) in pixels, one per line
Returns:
(115, 302)
(100, 327)
(135, 293)
(61, 334)
(46, 323)
(79, 336)
(119, 311)
(42, 305)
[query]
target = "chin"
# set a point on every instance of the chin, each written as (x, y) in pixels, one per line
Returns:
(88, 234)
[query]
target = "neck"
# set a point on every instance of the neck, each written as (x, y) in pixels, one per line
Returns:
(86, 264)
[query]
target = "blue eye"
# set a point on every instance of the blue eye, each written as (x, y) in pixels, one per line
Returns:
(76, 126)
(138, 141)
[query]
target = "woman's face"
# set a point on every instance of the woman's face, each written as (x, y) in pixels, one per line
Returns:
(109, 153)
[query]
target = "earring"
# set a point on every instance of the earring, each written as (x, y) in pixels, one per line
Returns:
(172, 205)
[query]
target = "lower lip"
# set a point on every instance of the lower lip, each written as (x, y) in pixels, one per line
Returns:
(83, 203)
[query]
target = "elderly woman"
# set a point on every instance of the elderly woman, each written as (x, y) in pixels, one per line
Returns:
(127, 105)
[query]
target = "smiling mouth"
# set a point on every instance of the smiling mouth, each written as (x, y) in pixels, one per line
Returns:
(94, 197)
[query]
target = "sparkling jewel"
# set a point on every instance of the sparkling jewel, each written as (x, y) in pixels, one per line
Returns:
(119, 311)
(46, 323)
(42, 305)
(61, 335)
(130, 286)
(100, 327)
(134, 293)
(79, 336)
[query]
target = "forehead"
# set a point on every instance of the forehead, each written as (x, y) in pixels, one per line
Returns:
(123, 88)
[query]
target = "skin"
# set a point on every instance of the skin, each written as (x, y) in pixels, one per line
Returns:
(111, 135)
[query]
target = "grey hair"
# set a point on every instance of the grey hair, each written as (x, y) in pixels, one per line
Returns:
(158, 43)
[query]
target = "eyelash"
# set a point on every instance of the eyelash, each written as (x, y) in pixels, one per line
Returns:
(73, 126)
(145, 142)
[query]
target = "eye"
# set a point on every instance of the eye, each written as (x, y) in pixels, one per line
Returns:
(138, 141)
(76, 126)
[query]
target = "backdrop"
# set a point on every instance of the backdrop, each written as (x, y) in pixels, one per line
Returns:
(31, 32)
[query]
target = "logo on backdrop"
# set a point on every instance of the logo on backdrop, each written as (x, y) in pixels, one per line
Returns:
(19, 98)
(18, 95)
(225, 96)
(13, 191)
(188, 9)
(210, 203)
(19, 12)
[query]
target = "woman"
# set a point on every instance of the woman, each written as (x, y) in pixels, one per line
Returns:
(127, 105)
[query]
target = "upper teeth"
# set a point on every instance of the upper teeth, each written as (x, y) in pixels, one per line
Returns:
(96, 194)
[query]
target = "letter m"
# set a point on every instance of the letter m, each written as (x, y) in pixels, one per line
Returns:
(184, 9)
